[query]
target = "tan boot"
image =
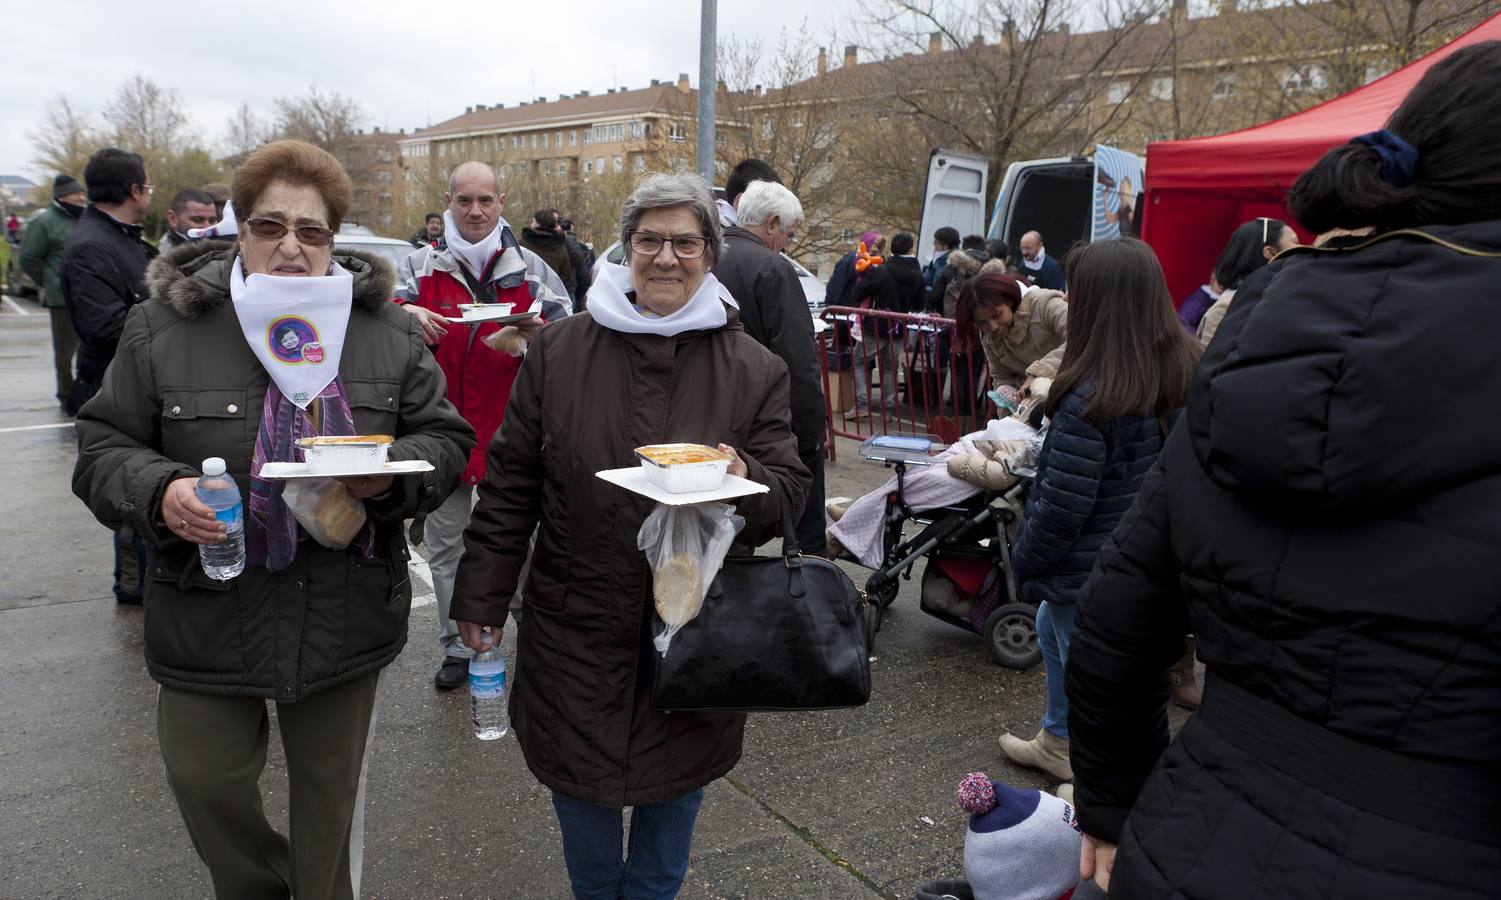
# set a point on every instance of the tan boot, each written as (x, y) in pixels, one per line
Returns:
(836, 549)
(837, 507)
(1186, 690)
(1065, 792)
(1047, 752)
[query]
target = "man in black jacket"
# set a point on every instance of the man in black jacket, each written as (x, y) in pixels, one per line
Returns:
(102, 274)
(103, 269)
(774, 311)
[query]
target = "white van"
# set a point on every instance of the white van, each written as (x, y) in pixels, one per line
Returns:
(1069, 200)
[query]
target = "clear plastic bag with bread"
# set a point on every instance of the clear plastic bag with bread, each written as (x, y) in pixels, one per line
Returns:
(323, 507)
(685, 546)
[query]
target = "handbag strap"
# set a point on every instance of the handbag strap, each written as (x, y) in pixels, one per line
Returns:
(790, 550)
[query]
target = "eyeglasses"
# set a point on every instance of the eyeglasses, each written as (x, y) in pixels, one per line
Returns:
(272, 230)
(148, 188)
(683, 247)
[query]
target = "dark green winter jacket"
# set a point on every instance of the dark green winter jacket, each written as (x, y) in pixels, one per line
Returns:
(185, 386)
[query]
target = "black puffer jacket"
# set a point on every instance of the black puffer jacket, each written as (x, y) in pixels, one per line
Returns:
(1327, 520)
(1087, 477)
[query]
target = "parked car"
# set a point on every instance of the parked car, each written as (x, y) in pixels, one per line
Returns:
(813, 289)
(358, 237)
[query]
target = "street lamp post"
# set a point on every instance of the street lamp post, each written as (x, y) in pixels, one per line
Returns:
(708, 87)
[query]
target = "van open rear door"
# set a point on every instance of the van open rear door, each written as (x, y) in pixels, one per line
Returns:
(1049, 196)
(954, 196)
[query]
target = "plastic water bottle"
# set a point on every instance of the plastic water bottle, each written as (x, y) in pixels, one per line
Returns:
(218, 492)
(487, 695)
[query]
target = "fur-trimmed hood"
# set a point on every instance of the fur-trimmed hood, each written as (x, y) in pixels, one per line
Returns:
(195, 276)
(965, 264)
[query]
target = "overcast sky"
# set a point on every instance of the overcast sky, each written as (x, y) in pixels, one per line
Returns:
(407, 62)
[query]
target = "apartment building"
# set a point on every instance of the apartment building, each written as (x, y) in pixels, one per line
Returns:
(573, 138)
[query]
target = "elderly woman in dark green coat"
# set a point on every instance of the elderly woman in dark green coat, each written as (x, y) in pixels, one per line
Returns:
(306, 625)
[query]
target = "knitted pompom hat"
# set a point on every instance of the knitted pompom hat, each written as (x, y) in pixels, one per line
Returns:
(1021, 844)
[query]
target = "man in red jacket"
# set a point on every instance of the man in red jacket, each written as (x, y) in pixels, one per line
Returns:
(477, 259)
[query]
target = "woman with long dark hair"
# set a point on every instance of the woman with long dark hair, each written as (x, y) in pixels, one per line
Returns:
(1252, 245)
(1125, 370)
(1333, 548)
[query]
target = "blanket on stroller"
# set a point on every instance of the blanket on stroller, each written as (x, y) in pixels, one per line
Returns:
(930, 487)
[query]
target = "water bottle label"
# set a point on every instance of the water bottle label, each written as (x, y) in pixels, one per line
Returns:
(231, 517)
(487, 687)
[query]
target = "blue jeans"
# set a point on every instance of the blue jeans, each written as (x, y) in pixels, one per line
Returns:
(654, 864)
(1055, 628)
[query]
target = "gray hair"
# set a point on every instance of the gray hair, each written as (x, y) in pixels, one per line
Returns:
(659, 190)
(764, 199)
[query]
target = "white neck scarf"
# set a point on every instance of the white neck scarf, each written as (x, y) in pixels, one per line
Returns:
(1042, 257)
(727, 214)
(226, 227)
(476, 256)
(610, 306)
(295, 326)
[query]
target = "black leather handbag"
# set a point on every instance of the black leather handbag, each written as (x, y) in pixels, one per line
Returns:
(775, 633)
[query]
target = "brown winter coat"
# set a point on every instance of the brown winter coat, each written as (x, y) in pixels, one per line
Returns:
(585, 398)
(1033, 345)
(185, 386)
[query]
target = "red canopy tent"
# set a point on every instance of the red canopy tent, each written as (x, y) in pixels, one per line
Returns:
(1198, 190)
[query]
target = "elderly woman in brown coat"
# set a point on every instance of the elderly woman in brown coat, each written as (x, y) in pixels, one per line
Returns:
(660, 357)
(1022, 328)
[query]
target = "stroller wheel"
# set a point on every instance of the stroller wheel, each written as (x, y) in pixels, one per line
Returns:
(872, 625)
(1011, 636)
(882, 589)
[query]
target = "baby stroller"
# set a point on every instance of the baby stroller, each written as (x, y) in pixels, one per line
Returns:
(968, 580)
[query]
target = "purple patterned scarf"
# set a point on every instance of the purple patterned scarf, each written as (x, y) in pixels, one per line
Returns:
(273, 533)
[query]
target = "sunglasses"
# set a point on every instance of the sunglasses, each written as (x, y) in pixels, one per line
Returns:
(272, 230)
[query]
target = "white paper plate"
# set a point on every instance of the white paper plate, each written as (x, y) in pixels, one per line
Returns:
(501, 314)
(280, 470)
(634, 479)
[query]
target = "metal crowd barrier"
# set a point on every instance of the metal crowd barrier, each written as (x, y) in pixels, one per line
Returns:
(915, 378)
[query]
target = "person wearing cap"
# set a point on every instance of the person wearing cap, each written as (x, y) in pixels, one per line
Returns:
(220, 193)
(41, 258)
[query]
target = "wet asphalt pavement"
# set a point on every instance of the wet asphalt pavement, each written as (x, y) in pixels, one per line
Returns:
(853, 803)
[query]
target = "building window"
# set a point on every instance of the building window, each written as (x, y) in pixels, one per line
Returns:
(588, 167)
(1310, 79)
(535, 140)
(588, 136)
(560, 139)
(1374, 71)
(546, 141)
(619, 164)
(675, 132)
(638, 163)
(383, 177)
(1118, 92)
(515, 142)
(599, 164)
(1162, 88)
(1224, 86)
(573, 138)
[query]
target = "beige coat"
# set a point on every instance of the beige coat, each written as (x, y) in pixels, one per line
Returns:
(1212, 317)
(1033, 345)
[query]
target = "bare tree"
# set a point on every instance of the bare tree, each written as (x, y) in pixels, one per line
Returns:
(327, 120)
(1365, 37)
(243, 132)
(146, 118)
(775, 111)
(66, 139)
